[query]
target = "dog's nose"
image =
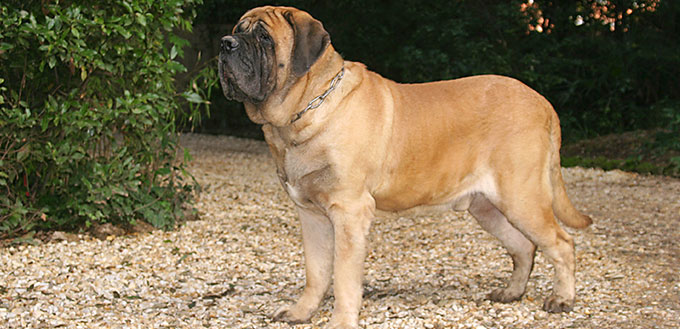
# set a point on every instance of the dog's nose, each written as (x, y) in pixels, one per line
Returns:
(229, 43)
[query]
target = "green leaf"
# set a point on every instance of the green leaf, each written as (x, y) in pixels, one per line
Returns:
(23, 153)
(122, 31)
(4, 46)
(44, 123)
(173, 52)
(141, 19)
(26, 239)
(127, 6)
(193, 97)
(163, 171)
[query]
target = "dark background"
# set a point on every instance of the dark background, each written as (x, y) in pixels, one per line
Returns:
(606, 66)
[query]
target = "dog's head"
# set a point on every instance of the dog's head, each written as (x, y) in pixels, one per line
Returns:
(269, 47)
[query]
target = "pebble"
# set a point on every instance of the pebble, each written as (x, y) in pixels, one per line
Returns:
(243, 260)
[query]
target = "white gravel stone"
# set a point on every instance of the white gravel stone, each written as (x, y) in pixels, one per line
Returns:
(243, 260)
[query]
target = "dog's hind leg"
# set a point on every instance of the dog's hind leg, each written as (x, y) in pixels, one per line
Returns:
(518, 246)
(530, 211)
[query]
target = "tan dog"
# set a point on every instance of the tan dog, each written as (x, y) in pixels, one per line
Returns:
(347, 142)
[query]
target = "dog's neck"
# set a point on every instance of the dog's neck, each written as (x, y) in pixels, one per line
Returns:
(318, 100)
(279, 113)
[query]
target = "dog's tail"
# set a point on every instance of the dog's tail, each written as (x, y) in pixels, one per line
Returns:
(562, 207)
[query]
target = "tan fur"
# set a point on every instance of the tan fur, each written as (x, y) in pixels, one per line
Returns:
(487, 144)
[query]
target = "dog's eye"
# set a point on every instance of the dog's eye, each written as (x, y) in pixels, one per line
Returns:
(241, 27)
(264, 37)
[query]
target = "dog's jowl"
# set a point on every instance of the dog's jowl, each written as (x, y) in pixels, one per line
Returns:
(347, 142)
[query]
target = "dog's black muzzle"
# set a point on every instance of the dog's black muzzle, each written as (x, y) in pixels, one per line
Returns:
(245, 67)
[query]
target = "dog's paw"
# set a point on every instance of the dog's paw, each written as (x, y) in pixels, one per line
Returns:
(504, 295)
(557, 304)
(291, 315)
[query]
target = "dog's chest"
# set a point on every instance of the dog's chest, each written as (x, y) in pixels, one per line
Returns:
(304, 170)
(295, 194)
(300, 175)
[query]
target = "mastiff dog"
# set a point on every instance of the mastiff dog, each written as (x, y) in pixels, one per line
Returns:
(348, 142)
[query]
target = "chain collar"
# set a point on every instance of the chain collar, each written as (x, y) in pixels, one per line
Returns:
(316, 102)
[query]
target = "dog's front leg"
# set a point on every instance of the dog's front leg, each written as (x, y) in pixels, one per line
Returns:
(351, 223)
(317, 240)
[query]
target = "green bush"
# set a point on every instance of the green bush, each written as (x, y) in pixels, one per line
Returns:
(88, 110)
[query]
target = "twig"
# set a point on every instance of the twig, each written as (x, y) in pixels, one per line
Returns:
(23, 80)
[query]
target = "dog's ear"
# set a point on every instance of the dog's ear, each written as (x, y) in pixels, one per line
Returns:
(311, 40)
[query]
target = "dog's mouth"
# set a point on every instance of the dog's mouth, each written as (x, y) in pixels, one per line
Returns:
(229, 79)
(245, 74)
(227, 82)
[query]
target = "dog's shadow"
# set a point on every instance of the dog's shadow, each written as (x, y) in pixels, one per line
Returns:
(424, 292)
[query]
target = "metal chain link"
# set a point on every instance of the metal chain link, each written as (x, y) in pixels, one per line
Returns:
(318, 100)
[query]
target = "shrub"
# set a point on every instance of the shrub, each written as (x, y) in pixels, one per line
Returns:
(88, 110)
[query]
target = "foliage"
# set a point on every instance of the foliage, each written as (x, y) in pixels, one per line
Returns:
(669, 139)
(634, 164)
(88, 109)
(600, 80)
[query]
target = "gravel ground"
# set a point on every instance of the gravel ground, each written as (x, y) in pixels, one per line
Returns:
(243, 260)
